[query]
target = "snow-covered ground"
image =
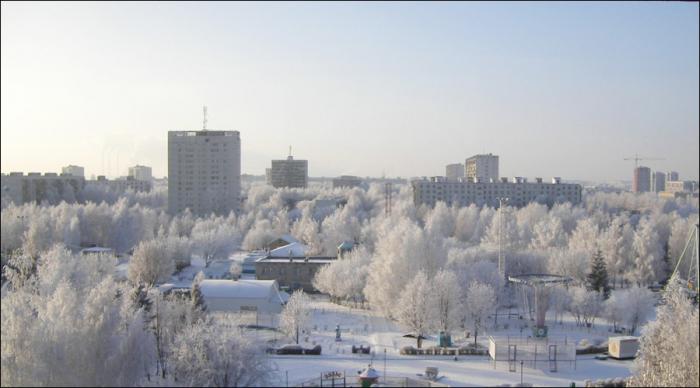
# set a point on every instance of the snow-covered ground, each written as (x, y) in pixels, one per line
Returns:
(363, 327)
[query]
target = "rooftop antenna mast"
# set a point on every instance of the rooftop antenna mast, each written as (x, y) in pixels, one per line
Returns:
(204, 122)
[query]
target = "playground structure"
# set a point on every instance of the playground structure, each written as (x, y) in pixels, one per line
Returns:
(687, 269)
(535, 289)
(551, 353)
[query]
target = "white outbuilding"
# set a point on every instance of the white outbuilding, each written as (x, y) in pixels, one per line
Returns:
(623, 347)
(262, 296)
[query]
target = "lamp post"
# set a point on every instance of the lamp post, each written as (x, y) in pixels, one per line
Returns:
(521, 373)
(501, 260)
(384, 365)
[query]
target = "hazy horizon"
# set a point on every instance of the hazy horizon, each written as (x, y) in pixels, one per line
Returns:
(367, 89)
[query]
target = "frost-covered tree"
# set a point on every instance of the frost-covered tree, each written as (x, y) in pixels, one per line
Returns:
(73, 326)
(306, 230)
(597, 278)
(648, 252)
(199, 305)
(465, 223)
(39, 237)
(402, 250)
(631, 306)
(559, 301)
(585, 305)
(261, 234)
(570, 263)
(616, 246)
(509, 231)
(446, 301)
(345, 279)
(585, 237)
(296, 316)
(150, 263)
(440, 221)
(215, 238)
(668, 346)
(213, 355)
(481, 301)
(414, 308)
(548, 233)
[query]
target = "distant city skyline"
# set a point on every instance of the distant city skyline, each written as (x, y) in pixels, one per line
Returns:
(365, 89)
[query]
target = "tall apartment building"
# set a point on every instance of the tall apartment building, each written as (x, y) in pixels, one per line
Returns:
(73, 170)
(454, 171)
(141, 173)
(483, 166)
(641, 181)
(469, 191)
(35, 187)
(658, 182)
(289, 173)
(672, 176)
(204, 171)
(346, 181)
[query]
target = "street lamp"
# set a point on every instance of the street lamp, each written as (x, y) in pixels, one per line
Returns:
(385, 366)
(501, 260)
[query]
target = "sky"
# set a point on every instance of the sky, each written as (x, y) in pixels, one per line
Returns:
(368, 89)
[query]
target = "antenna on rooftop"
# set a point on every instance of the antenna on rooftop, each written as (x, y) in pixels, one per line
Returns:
(290, 151)
(204, 123)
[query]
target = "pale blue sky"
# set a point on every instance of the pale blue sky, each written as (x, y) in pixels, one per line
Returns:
(564, 89)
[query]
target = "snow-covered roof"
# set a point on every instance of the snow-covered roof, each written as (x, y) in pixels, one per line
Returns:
(294, 249)
(346, 245)
(255, 289)
(97, 250)
(313, 260)
(623, 338)
(289, 238)
(369, 373)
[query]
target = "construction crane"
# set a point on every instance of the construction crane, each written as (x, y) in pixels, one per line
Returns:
(637, 158)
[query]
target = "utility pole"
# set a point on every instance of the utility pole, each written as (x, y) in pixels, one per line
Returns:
(204, 122)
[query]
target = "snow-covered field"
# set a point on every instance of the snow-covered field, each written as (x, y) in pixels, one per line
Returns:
(363, 327)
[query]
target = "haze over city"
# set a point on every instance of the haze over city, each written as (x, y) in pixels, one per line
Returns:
(366, 89)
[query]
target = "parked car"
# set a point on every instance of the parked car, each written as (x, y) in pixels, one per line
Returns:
(290, 349)
(316, 350)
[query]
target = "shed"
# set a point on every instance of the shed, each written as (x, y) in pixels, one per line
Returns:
(623, 347)
(261, 296)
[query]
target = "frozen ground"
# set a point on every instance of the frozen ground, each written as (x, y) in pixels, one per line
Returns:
(363, 327)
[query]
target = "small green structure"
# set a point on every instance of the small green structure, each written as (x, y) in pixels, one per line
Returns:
(444, 340)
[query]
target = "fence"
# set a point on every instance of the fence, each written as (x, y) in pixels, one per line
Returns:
(547, 353)
(353, 381)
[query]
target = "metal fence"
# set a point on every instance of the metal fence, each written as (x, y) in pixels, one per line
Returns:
(353, 381)
(550, 353)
